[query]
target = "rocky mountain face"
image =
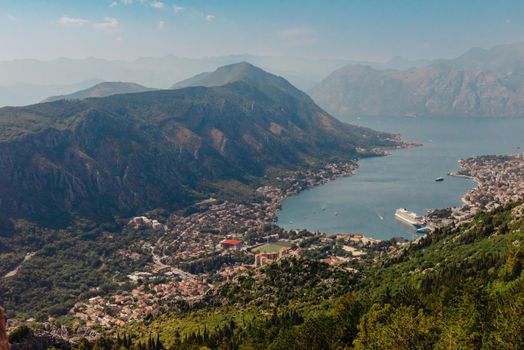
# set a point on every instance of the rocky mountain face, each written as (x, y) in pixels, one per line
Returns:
(502, 60)
(128, 153)
(480, 83)
(4, 343)
(101, 90)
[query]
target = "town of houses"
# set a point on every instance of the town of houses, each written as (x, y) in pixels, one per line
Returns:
(499, 181)
(217, 229)
(235, 231)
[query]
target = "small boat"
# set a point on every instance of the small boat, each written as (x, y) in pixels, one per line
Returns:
(439, 179)
(423, 229)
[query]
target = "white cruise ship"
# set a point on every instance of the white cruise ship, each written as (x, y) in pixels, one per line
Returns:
(409, 217)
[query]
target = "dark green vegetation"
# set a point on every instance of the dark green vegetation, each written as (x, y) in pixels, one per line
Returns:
(287, 283)
(70, 264)
(461, 288)
(480, 83)
(102, 90)
(128, 153)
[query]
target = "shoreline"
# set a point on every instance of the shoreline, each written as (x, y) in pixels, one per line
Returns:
(469, 177)
(498, 181)
(184, 241)
(463, 212)
(382, 152)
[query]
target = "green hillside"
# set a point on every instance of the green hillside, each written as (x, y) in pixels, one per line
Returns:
(460, 288)
(126, 154)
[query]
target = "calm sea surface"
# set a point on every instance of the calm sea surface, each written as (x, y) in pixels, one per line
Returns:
(366, 202)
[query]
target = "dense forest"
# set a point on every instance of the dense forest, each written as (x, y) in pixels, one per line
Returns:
(69, 264)
(459, 288)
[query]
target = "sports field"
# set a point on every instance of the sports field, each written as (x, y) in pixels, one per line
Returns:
(271, 247)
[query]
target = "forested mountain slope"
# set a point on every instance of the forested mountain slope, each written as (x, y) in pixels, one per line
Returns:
(129, 153)
(460, 288)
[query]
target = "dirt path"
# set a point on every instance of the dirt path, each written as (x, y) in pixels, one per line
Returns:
(15, 271)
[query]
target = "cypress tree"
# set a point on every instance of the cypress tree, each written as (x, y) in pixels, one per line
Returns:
(159, 345)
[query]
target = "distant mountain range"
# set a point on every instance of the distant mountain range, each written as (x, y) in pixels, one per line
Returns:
(55, 77)
(20, 94)
(128, 153)
(101, 90)
(480, 83)
(27, 81)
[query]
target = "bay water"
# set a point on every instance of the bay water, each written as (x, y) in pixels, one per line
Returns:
(365, 203)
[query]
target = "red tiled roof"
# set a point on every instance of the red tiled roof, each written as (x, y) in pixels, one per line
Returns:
(231, 242)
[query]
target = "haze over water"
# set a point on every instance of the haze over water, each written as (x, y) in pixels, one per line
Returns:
(366, 202)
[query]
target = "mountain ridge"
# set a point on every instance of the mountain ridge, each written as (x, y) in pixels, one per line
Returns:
(157, 72)
(129, 153)
(271, 85)
(102, 89)
(479, 83)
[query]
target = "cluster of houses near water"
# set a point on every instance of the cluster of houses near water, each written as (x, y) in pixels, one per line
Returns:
(500, 180)
(235, 231)
(222, 228)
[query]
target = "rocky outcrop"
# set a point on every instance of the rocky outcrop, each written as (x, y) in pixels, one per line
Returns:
(4, 344)
(49, 335)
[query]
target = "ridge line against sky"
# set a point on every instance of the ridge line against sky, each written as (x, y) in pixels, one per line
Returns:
(372, 30)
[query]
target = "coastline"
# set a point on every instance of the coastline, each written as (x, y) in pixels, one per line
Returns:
(461, 214)
(469, 177)
(183, 239)
(377, 152)
(465, 211)
(499, 180)
(180, 243)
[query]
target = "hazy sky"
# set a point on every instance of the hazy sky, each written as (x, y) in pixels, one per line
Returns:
(353, 29)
